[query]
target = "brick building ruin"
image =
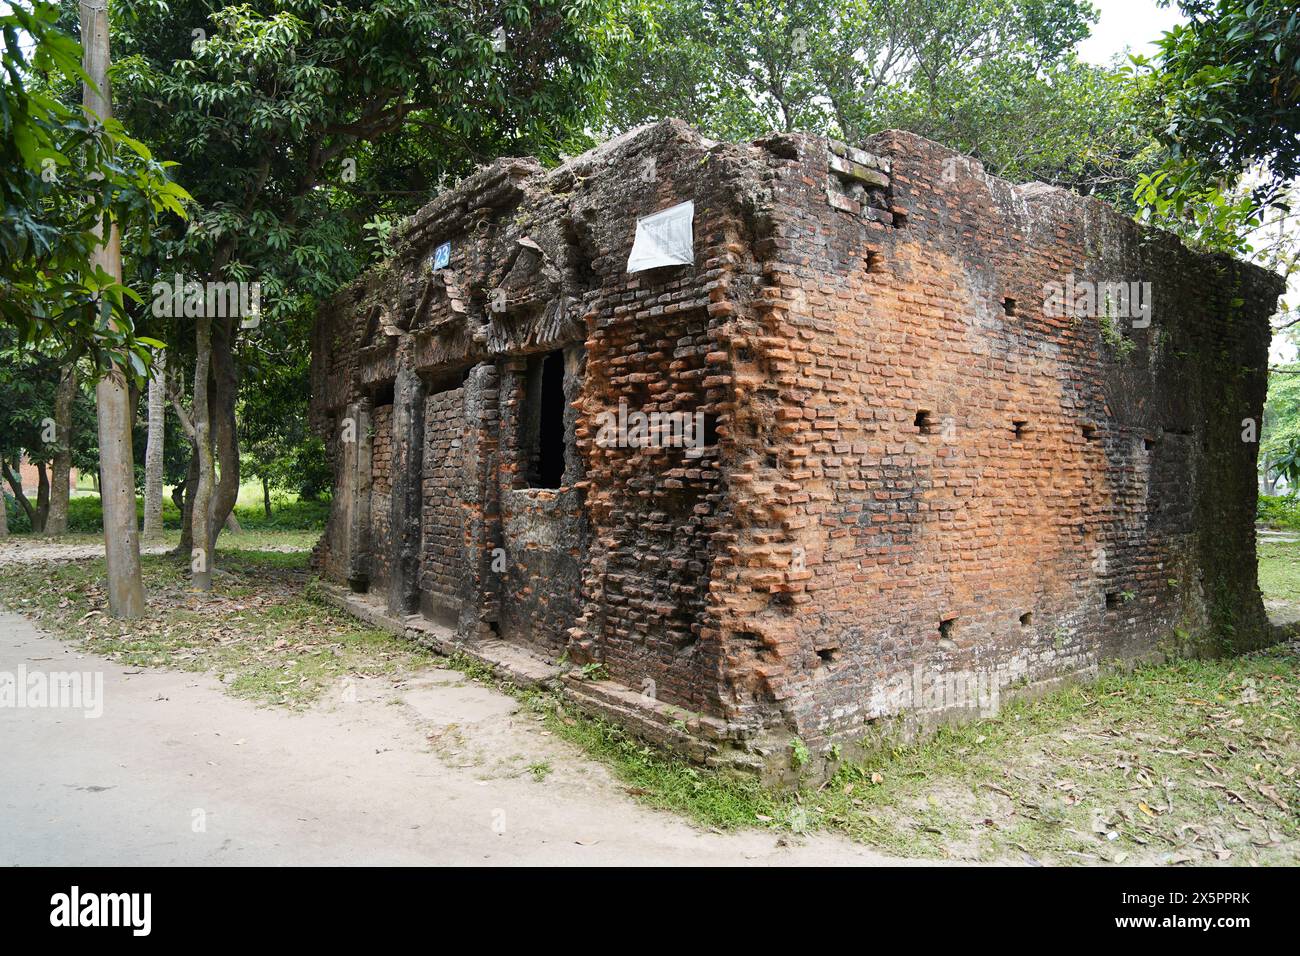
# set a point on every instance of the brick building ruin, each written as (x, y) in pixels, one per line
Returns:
(914, 481)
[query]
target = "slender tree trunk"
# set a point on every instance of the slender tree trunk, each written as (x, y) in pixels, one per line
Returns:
(153, 456)
(4, 515)
(57, 522)
(201, 510)
(42, 498)
(15, 482)
(266, 497)
(121, 539)
(225, 391)
(186, 505)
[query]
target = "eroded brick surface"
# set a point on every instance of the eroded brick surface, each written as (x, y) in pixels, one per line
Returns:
(919, 485)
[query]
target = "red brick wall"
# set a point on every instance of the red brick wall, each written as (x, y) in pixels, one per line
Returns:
(864, 532)
(920, 474)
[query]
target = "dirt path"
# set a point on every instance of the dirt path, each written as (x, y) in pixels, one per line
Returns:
(435, 769)
(24, 552)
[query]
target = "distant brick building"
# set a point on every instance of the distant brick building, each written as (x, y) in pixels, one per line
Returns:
(918, 479)
(30, 477)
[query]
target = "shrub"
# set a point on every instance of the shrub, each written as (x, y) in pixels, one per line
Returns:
(1279, 511)
(85, 515)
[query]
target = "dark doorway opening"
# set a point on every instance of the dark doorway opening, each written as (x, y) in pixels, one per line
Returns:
(547, 460)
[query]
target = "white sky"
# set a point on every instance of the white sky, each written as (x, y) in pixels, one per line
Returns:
(1127, 23)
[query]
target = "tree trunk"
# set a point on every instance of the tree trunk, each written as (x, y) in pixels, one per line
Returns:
(15, 482)
(266, 497)
(117, 493)
(4, 515)
(186, 545)
(57, 522)
(225, 392)
(42, 498)
(153, 456)
(201, 510)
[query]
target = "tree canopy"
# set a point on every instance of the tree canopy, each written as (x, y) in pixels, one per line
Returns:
(62, 173)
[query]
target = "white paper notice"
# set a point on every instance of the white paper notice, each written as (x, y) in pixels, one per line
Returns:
(664, 239)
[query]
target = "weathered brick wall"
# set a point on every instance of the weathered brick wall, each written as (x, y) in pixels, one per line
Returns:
(958, 484)
(443, 541)
(381, 547)
(915, 473)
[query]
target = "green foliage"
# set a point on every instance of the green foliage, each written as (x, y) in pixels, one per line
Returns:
(799, 753)
(1279, 511)
(993, 78)
(85, 516)
(278, 446)
(65, 173)
(296, 122)
(1223, 96)
(1281, 413)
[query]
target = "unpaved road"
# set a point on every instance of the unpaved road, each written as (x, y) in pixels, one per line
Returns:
(430, 771)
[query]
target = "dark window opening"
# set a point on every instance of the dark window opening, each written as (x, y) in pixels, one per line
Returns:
(1020, 428)
(544, 421)
(1090, 432)
(1148, 443)
(1112, 600)
(382, 395)
(947, 629)
(710, 430)
(1009, 305)
(1027, 618)
(924, 422)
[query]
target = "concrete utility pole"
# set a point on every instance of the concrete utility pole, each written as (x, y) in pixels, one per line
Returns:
(116, 462)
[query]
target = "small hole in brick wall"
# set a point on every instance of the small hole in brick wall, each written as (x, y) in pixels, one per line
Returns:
(1009, 305)
(925, 422)
(744, 354)
(1020, 428)
(874, 261)
(1089, 432)
(829, 655)
(1148, 443)
(1112, 600)
(947, 629)
(771, 460)
(1027, 618)
(710, 429)
(900, 218)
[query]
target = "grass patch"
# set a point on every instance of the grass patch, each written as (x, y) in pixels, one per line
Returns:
(1279, 571)
(259, 630)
